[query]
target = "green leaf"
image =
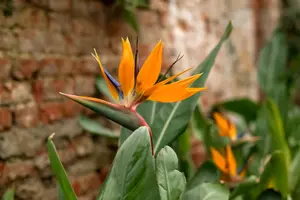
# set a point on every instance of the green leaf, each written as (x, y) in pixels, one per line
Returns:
(270, 195)
(61, 195)
(183, 150)
(294, 171)
(169, 120)
(244, 187)
(9, 194)
(130, 17)
(276, 130)
(102, 87)
(96, 128)
(271, 72)
(245, 107)
(206, 191)
(133, 173)
(200, 124)
(59, 171)
(293, 125)
(207, 173)
(276, 174)
(122, 116)
(171, 182)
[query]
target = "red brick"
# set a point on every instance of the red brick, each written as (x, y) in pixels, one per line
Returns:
(50, 112)
(59, 22)
(5, 95)
(86, 45)
(55, 43)
(30, 17)
(49, 88)
(87, 65)
(5, 68)
(85, 85)
(59, 5)
(32, 41)
(82, 26)
(5, 119)
(26, 115)
(71, 108)
(104, 173)
(17, 169)
(55, 66)
(83, 145)
(38, 90)
(72, 44)
(86, 183)
(80, 7)
(7, 39)
(20, 91)
(25, 68)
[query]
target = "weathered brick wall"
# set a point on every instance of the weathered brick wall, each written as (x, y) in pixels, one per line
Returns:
(45, 48)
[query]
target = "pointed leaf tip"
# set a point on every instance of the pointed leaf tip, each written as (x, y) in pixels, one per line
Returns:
(51, 136)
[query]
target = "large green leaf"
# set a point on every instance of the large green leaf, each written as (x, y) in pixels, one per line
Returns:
(96, 128)
(244, 187)
(120, 115)
(182, 147)
(207, 173)
(275, 174)
(171, 182)
(9, 194)
(169, 120)
(276, 130)
(293, 125)
(59, 171)
(294, 171)
(245, 107)
(200, 124)
(206, 191)
(271, 72)
(133, 173)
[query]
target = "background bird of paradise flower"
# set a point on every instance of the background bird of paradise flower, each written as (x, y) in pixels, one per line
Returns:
(257, 156)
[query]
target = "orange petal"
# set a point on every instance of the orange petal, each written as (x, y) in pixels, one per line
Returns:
(110, 86)
(173, 93)
(231, 161)
(222, 124)
(232, 131)
(187, 81)
(219, 160)
(150, 70)
(126, 68)
(149, 91)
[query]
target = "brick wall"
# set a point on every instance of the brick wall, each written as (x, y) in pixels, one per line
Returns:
(45, 48)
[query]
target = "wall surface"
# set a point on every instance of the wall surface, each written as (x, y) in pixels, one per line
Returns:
(45, 49)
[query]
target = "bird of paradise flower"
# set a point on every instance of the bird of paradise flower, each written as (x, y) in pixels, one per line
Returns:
(137, 85)
(226, 161)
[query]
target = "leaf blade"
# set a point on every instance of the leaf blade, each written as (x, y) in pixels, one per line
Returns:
(59, 171)
(132, 169)
(171, 182)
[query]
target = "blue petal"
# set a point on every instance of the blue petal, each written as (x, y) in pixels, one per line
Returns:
(112, 80)
(115, 83)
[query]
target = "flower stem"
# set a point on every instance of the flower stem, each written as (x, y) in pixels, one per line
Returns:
(144, 123)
